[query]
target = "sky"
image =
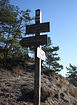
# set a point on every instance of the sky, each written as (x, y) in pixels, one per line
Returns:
(62, 15)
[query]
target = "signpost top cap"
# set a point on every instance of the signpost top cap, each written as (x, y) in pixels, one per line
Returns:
(38, 10)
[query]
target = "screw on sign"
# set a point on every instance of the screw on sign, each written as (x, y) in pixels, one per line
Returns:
(37, 41)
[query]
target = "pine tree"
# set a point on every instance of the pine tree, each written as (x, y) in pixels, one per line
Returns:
(72, 71)
(52, 57)
(13, 23)
(12, 27)
(72, 74)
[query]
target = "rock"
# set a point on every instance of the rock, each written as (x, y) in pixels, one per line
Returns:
(19, 89)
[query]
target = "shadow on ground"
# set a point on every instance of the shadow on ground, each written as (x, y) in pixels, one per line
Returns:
(27, 95)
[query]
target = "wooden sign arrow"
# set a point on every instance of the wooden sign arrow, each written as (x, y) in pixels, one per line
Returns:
(34, 41)
(38, 28)
(41, 54)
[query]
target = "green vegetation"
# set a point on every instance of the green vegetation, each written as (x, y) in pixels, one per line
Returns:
(52, 57)
(72, 72)
(12, 27)
(13, 23)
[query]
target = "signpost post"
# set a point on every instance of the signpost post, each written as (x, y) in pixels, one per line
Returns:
(37, 78)
(37, 41)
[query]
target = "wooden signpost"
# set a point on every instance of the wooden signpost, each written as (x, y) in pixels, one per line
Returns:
(41, 27)
(37, 41)
(34, 41)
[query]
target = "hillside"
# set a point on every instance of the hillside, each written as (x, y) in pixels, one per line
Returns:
(16, 88)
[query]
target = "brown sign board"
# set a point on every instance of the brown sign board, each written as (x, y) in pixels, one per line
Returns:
(38, 28)
(34, 41)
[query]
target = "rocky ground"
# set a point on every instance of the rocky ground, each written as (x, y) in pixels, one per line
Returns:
(17, 88)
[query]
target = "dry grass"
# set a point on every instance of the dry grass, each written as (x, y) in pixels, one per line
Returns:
(73, 91)
(17, 70)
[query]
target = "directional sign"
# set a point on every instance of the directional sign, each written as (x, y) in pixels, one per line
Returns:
(41, 54)
(34, 41)
(38, 28)
(37, 41)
